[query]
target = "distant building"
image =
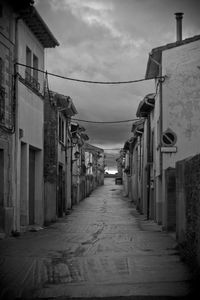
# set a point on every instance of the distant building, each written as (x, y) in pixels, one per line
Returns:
(94, 162)
(120, 163)
(137, 164)
(78, 163)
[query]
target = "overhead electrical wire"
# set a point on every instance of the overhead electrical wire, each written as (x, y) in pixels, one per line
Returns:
(113, 149)
(90, 121)
(88, 81)
(105, 122)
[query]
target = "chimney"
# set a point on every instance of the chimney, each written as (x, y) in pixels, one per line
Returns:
(179, 16)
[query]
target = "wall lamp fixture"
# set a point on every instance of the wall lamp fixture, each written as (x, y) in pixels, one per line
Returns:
(74, 141)
(76, 156)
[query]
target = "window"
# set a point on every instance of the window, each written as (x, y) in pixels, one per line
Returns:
(35, 65)
(61, 130)
(31, 77)
(28, 60)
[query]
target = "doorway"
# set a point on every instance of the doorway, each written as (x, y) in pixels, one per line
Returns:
(31, 186)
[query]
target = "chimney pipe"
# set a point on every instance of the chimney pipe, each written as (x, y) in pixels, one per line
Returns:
(179, 16)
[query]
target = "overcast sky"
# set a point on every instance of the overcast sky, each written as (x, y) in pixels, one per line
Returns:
(109, 40)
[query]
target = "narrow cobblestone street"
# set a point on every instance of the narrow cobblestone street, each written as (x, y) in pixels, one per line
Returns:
(103, 248)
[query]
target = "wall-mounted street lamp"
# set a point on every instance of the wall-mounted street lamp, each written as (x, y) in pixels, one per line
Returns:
(74, 141)
(76, 156)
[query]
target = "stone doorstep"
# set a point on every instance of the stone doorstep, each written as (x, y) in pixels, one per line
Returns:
(33, 228)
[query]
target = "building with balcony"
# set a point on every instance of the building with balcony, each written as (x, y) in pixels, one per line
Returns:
(33, 37)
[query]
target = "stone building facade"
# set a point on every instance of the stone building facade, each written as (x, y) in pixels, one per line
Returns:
(33, 38)
(58, 110)
(170, 143)
(7, 117)
(23, 38)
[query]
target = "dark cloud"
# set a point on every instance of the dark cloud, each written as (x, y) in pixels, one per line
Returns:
(106, 135)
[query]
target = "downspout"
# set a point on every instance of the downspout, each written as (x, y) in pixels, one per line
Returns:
(161, 117)
(148, 157)
(160, 80)
(71, 171)
(148, 164)
(15, 112)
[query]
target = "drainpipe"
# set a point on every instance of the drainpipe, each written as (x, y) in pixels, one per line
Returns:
(161, 118)
(161, 106)
(148, 157)
(71, 170)
(161, 114)
(148, 164)
(16, 126)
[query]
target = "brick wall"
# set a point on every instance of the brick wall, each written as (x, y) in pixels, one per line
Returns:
(190, 194)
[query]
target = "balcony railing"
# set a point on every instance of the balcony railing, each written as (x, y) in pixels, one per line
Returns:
(32, 82)
(2, 104)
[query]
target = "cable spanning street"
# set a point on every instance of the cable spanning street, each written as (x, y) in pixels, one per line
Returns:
(103, 248)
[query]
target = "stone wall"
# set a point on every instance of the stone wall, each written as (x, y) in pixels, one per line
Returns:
(50, 142)
(188, 195)
(50, 161)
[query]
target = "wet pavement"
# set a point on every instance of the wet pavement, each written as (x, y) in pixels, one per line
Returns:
(103, 248)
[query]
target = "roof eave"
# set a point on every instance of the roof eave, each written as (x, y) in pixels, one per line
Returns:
(31, 17)
(73, 109)
(137, 124)
(154, 60)
(146, 106)
(152, 70)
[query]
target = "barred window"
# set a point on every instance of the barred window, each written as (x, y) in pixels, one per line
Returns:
(28, 60)
(35, 66)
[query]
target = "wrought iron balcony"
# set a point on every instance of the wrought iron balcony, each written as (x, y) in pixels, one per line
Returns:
(31, 81)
